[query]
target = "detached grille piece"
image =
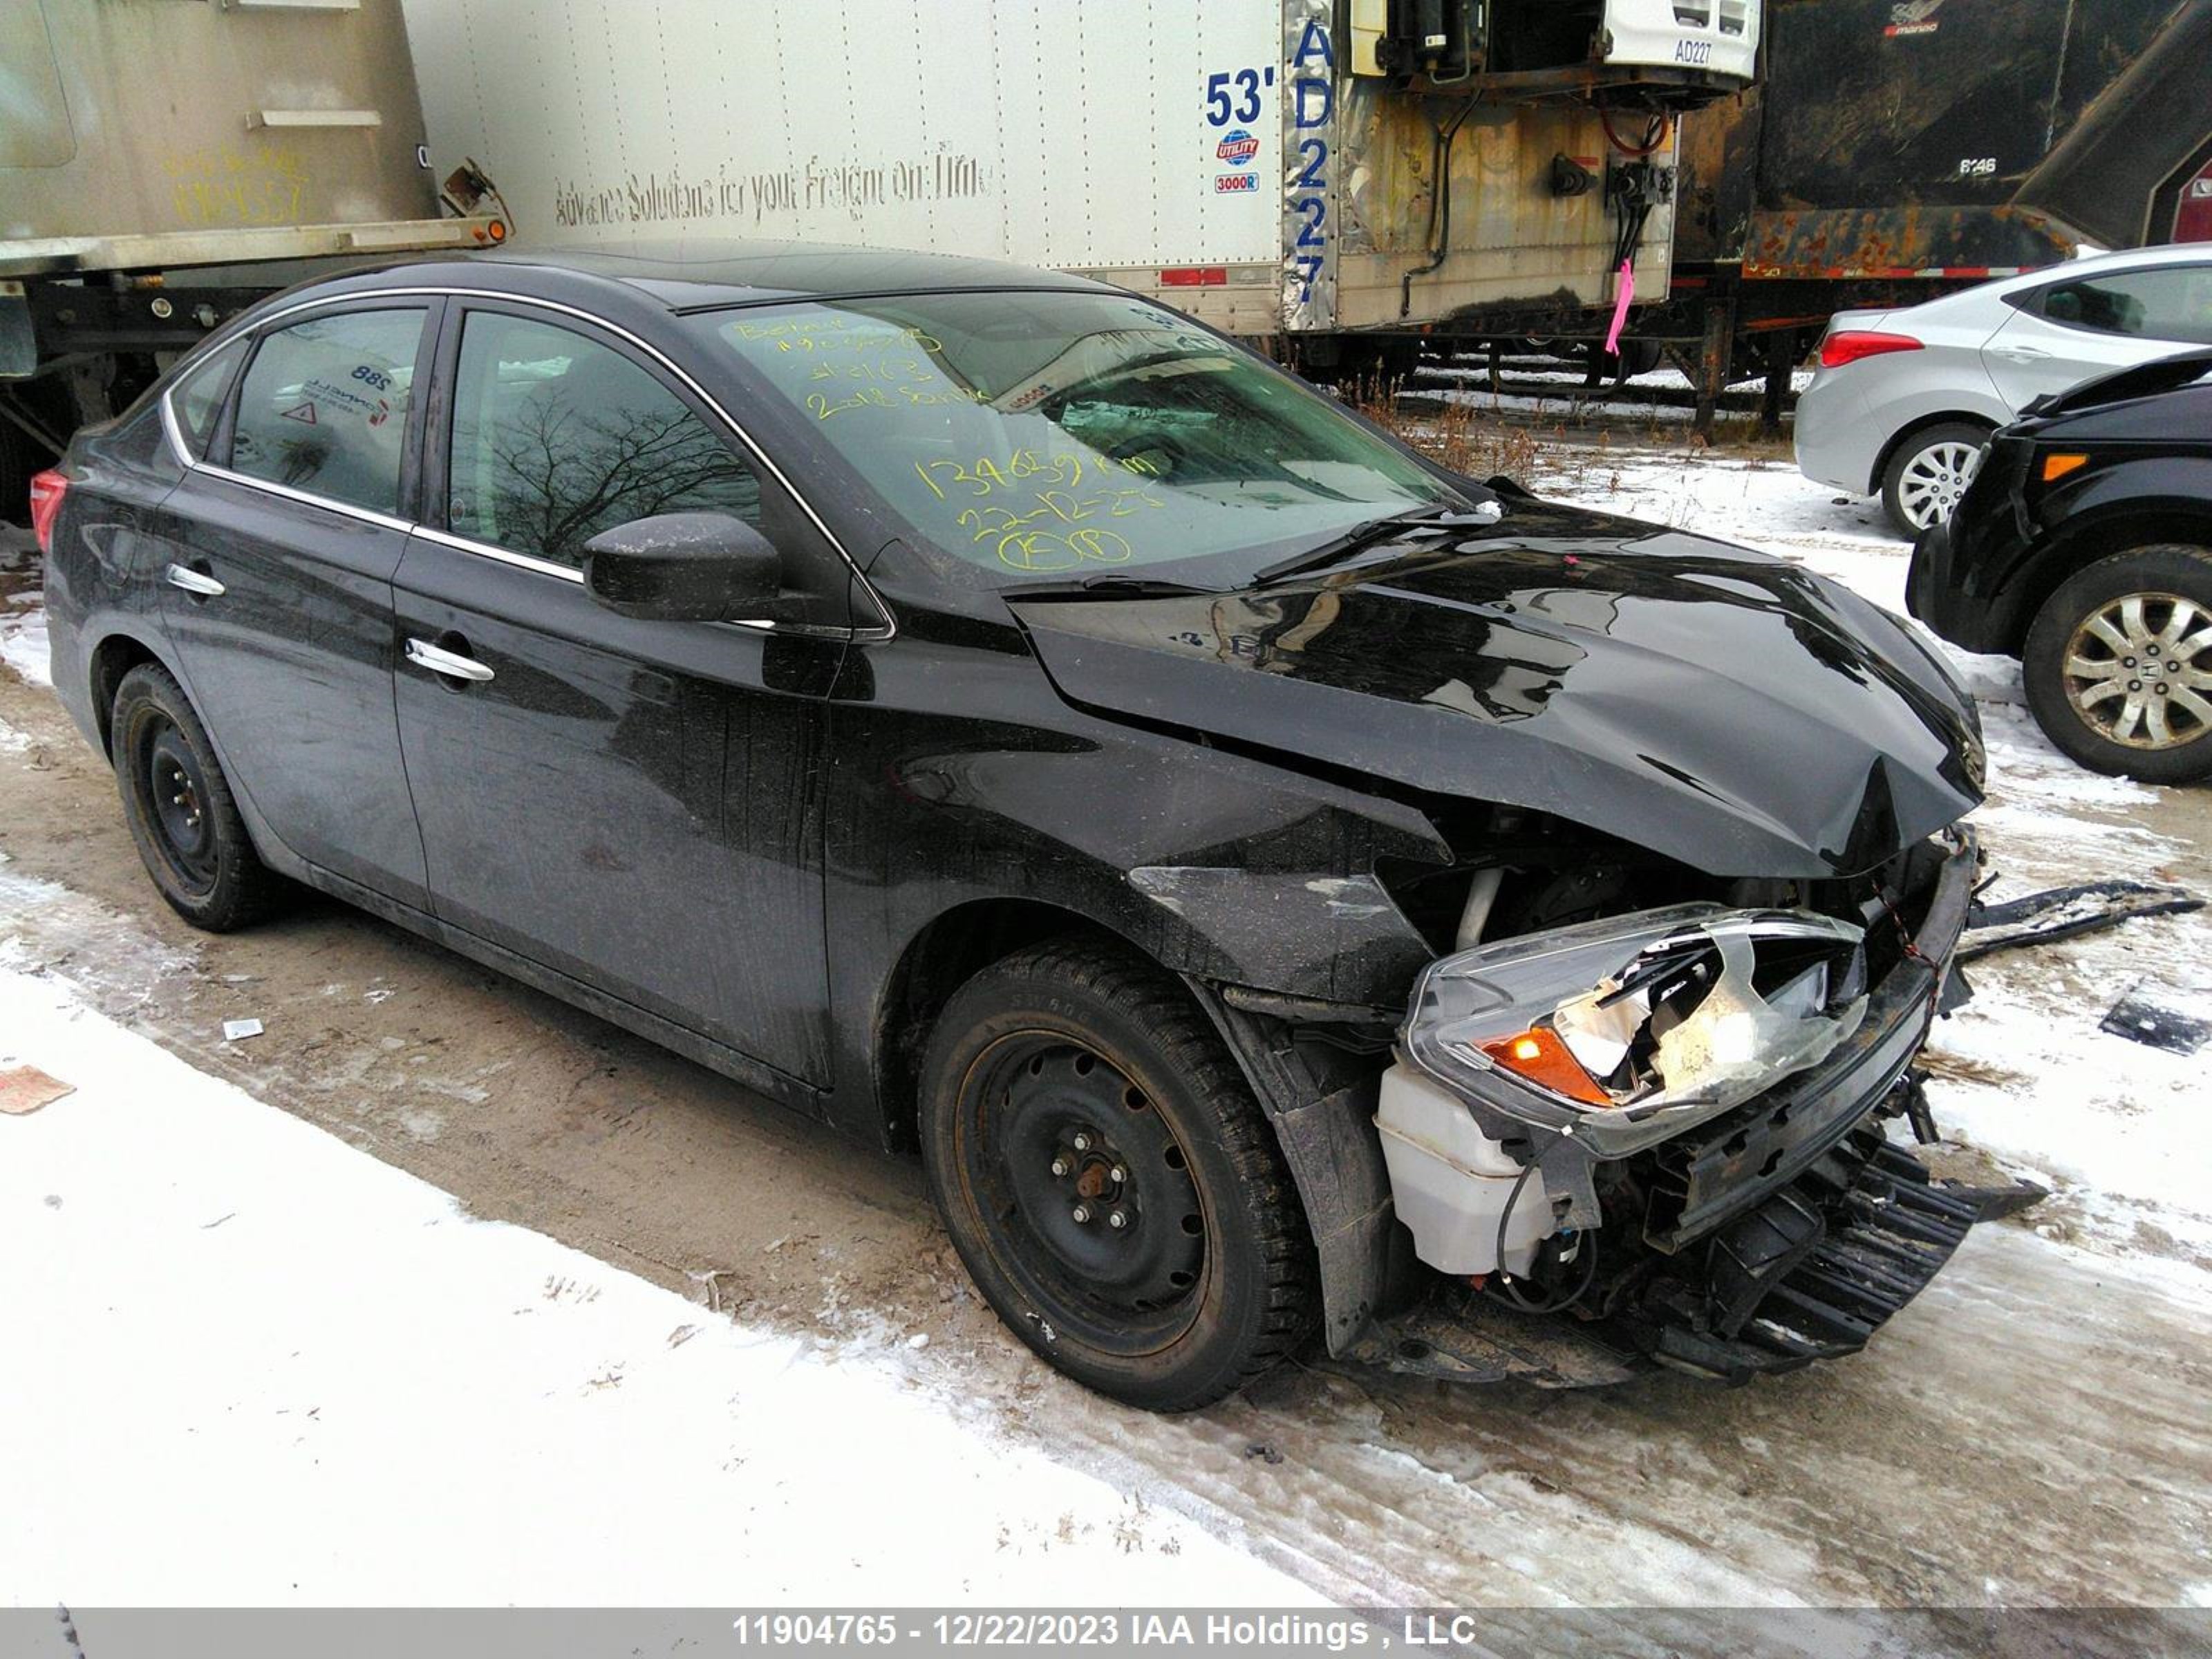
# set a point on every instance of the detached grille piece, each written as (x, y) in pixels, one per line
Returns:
(1821, 1268)
(1899, 1230)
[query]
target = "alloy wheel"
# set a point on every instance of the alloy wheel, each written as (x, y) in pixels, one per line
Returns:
(2139, 671)
(1932, 482)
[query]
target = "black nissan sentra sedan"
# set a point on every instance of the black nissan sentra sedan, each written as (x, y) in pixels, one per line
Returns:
(1285, 891)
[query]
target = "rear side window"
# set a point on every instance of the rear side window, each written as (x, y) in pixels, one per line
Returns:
(557, 437)
(324, 406)
(196, 400)
(2172, 302)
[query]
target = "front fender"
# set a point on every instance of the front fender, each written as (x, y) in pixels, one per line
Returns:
(960, 785)
(2132, 504)
(1213, 863)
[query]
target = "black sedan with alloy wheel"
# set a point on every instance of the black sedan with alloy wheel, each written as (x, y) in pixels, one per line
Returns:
(1284, 891)
(2084, 548)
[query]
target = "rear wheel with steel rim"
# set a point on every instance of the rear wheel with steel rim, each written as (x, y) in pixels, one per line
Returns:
(2119, 664)
(180, 809)
(1109, 1179)
(1929, 472)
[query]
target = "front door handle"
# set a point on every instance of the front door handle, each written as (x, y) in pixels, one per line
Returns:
(439, 660)
(197, 583)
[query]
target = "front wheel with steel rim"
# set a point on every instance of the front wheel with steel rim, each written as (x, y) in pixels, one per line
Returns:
(1109, 1179)
(180, 809)
(1929, 472)
(2119, 664)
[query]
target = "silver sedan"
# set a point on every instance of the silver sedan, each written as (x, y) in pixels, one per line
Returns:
(1903, 400)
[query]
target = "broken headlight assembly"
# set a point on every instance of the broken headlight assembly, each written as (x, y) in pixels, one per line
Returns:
(1626, 1031)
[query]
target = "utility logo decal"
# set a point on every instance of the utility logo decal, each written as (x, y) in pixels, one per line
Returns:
(1237, 149)
(1909, 17)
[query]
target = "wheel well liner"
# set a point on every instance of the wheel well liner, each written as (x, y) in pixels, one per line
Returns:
(1322, 1101)
(949, 950)
(110, 659)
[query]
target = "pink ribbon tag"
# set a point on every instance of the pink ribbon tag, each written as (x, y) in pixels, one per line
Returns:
(1627, 292)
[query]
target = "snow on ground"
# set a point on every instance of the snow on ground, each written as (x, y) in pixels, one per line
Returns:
(249, 1366)
(2023, 1072)
(1540, 390)
(23, 608)
(1541, 399)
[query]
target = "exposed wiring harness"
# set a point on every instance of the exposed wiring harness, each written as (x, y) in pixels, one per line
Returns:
(1585, 1242)
(1655, 135)
(1630, 188)
(1912, 950)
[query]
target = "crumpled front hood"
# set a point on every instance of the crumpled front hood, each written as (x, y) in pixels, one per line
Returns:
(1715, 705)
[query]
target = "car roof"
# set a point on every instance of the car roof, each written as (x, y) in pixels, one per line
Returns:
(2165, 253)
(1967, 300)
(712, 273)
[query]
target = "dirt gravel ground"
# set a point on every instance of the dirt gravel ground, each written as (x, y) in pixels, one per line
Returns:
(2032, 1432)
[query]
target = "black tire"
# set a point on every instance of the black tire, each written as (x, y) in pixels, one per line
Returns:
(2171, 584)
(1085, 1055)
(180, 809)
(1905, 488)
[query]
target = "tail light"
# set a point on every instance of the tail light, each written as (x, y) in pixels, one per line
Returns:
(1853, 344)
(47, 489)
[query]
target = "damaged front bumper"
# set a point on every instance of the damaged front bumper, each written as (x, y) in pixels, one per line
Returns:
(1810, 1274)
(1784, 1229)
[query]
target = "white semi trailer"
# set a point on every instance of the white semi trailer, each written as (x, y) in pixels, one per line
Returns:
(1270, 166)
(164, 163)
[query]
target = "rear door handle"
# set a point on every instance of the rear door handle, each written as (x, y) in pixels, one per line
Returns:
(439, 660)
(2021, 354)
(197, 583)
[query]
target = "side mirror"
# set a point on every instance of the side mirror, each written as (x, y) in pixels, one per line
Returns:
(683, 567)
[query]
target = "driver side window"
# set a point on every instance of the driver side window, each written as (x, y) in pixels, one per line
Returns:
(556, 437)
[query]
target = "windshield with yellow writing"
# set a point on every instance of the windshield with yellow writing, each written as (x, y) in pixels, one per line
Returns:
(1042, 436)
